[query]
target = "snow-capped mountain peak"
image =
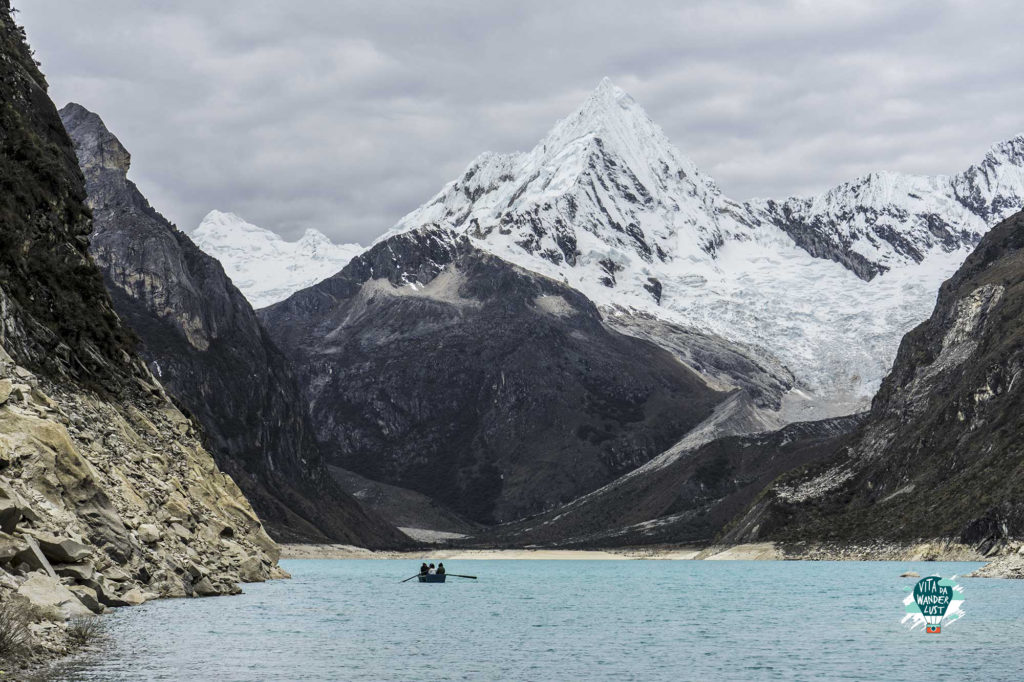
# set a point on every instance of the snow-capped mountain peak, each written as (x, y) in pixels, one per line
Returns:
(828, 283)
(224, 222)
(265, 267)
(606, 184)
(614, 122)
(991, 188)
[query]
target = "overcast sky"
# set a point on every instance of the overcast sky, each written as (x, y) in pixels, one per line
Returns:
(344, 115)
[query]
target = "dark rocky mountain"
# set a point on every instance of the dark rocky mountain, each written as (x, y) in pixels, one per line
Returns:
(201, 338)
(57, 315)
(685, 496)
(434, 366)
(940, 453)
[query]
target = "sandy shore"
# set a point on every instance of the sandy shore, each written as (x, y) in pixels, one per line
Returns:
(303, 551)
(756, 551)
(937, 550)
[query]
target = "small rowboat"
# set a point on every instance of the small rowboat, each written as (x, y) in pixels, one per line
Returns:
(432, 578)
(436, 577)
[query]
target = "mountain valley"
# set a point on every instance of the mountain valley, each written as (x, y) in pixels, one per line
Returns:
(793, 308)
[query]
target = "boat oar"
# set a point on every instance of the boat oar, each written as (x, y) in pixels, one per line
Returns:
(456, 575)
(411, 577)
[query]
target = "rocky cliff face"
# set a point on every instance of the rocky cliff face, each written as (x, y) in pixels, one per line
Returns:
(106, 495)
(434, 366)
(940, 453)
(202, 340)
(57, 315)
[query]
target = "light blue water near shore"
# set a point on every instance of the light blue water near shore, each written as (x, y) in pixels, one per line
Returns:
(568, 620)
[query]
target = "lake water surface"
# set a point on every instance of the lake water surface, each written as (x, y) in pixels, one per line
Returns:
(568, 620)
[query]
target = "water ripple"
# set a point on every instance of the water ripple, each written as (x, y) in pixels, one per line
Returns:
(550, 620)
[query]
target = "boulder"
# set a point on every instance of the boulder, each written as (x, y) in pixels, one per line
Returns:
(116, 573)
(149, 533)
(42, 399)
(34, 557)
(107, 529)
(205, 588)
(213, 531)
(88, 597)
(910, 574)
(105, 592)
(9, 582)
(52, 600)
(181, 531)
(77, 572)
(11, 547)
(171, 588)
(177, 505)
(6, 386)
(20, 393)
(196, 570)
(10, 514)
(250, 570)
(63, 550)
(133, 597)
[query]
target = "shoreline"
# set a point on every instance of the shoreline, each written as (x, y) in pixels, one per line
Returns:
(310, 551)
(936, 550)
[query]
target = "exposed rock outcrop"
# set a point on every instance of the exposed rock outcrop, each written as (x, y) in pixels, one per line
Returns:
(201, 338)
(1010, 564)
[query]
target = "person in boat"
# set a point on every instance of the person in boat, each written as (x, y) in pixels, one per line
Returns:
(440, 569)
(423, 568)
(432, 570)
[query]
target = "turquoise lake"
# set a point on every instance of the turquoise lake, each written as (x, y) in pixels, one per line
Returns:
(568, 620)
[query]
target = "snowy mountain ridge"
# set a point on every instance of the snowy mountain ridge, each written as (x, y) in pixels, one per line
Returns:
(265, 267)
(829, 284)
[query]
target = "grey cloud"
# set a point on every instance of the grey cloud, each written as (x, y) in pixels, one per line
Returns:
(344, 115)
